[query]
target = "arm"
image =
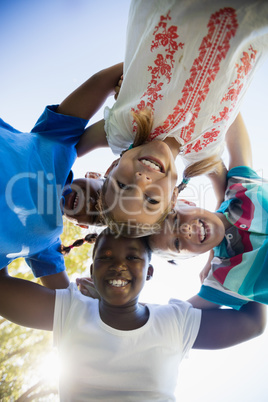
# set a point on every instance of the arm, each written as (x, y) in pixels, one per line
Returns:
(218, 181)
(238, 144)
(56, 281)
(239, 149)
(94, 136)
(86, 100)
(26, 303)
(222, 328)
(202, 304)
(204, 273)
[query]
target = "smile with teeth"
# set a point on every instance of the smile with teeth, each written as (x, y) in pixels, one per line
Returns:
(76, 200)
(152, 164)
(118, 282)
(202, 233)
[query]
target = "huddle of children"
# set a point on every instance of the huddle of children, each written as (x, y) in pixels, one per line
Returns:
(186, 102)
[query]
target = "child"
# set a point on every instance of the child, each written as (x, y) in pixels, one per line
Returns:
(35, 169)
(187, 67)
(237, 231)
(115, 348)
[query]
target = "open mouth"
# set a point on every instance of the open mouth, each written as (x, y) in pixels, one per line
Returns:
(118, 283)
(76, 201)
(153, 164)
(203, 232)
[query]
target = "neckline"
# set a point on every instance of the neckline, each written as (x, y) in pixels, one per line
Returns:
(120, 332)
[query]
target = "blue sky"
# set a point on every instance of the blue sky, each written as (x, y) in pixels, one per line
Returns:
(48, 48)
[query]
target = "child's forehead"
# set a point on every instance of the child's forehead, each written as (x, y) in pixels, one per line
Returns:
(110, 243)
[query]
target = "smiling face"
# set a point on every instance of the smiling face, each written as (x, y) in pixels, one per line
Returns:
(120, 269)
(142, 185)
(80, 203)
(188, 230)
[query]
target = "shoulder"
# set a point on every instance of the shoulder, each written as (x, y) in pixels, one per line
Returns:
(184, 310)
(72, 310)
(59, 127)
(177, 311)
(72, 293)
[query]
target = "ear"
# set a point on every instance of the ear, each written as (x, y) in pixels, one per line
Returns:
(92, 175)
(113, 165)
(182, 200)
(150, 272)
(174, 197)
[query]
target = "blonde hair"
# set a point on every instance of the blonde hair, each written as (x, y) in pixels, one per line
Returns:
(144, 120)
(205, 166)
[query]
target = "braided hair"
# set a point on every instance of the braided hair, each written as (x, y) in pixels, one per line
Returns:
(89, 238)
(204, 166)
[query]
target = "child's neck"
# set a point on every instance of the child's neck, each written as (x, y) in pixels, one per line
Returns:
(124, 318)
(173, 145)
(225, 222)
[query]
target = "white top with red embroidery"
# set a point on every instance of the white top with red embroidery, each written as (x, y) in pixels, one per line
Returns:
(191, 62)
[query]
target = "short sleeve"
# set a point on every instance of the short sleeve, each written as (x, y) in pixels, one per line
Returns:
(63, 304)
(244, 172)
(222, 297)
(189, 320)
(48, 262)
(59, 127)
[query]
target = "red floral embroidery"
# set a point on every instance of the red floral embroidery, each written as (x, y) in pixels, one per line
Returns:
(207, 138)
(167, 37)
(247, 62)
(164, 37)
(222, 27)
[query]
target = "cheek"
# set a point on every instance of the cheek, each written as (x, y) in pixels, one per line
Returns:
(166, 187)
(124, 169)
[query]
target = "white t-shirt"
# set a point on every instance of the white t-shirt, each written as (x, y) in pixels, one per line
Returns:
(191, 62)
(103, 363)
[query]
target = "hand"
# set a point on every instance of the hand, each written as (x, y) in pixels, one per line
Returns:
(204, 273)
(92, 175)
(87, 287)
(118, 87)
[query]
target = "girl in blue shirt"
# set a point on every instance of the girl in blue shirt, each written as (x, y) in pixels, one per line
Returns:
(35, 169)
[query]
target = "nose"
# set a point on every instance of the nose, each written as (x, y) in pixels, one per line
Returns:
(186, 231)
(118, 266)
(142, 178)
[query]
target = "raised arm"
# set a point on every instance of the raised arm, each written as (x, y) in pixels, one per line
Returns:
(222, 328)
(238, 144)
(86, 100)
(95, 136)
(239, 150)
(26, 303)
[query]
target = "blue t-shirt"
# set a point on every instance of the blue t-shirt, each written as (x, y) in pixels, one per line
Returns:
(34, 169)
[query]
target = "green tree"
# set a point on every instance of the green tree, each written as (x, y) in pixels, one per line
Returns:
(24, 350)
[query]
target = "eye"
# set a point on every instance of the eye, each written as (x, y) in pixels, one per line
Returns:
(176, 220)
(133, 257)
(101, 258)
(151, 200)
(121, 185)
